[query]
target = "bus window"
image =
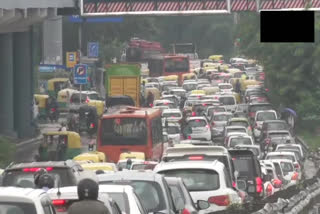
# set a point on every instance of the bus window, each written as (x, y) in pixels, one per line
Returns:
(177, 65)
(156, 127)
(124, 131)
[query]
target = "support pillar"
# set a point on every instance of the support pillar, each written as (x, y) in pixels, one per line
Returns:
(23, 90)
(6, 85)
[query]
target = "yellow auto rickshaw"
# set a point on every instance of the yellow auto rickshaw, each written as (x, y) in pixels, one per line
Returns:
(63, 98)
(171, 78)
(198, 92)
(94, 156)
(155, 91)
(233, 70)
(213, 65)
(59, 146)
(57, 84)
(189, 76)
(216, 58)
(99, 104)
(42, 101)
(211, 90)
(246, 83)
(109, 167)
(132, 155)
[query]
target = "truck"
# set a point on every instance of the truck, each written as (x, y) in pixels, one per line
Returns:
(123, 79)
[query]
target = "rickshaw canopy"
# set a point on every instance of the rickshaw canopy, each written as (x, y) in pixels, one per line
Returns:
(216, 57)
(198, 92)
(54, 80)
(100, 166)
(99, 105)
(211, 90)
(95, 157)
(171, 78)
(41, 100)
(154, 91)
(74, 139)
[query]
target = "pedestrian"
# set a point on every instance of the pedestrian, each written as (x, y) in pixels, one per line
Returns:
(88, 191)
(238, 86)
(52, 148)
(182, 101)
(150, 99)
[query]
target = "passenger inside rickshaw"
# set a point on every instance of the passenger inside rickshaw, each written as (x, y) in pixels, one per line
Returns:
(53, 148)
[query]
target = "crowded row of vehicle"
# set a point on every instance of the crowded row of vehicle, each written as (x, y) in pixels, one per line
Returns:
(201, 145)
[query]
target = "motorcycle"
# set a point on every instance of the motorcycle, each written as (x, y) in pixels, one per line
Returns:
(53, 115)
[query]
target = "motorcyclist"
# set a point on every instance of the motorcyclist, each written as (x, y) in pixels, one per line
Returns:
(88, 191)
(150, 99)
(52, 105)
(37, 175)
(182, 101)
(46, 182)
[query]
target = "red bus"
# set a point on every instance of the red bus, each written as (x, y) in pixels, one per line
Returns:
(131, 129)
(169, 65)
(139, 50)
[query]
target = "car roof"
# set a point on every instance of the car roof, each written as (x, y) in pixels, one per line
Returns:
(23, 193)
(238, 119)
(196, 118)
(262, 111)
(235, 127)
(274, 121)
(60, 164)
(280, 153)
(281, 160)
(130, 175)
(206, 150)
(293, 145)
(210, 165)
(278, 131)
(222, 113)
(177, 89)
(240, 136)
(171, 111)
(163, 101)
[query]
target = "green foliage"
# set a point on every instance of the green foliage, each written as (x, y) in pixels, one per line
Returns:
(7, 151)
(292, 69)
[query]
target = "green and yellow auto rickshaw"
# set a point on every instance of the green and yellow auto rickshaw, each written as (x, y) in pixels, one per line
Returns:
(59, 146)
(63, 98)
(57, 84)
(42, 101)
(99, 104)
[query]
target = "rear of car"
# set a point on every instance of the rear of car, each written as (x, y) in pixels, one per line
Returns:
(211, 110)
(205, 180)
(172, 115)
(239, 140)
(229, 101)
(286, 156)
(262, 116)
(288, 174)
(218, 122)
(22, 175)
(253, 108)
(248, 167)
(273, 125)
(197, 128)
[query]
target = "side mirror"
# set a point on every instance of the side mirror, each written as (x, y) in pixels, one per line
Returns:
(202, 205)
(236, 174)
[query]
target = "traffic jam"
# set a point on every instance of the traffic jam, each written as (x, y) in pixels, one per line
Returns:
(181, 135)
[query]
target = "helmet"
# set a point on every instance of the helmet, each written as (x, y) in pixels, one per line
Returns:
(37, 175)
(46, 180)
(88, 189)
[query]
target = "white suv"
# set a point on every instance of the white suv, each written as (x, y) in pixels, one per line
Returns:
(25, 201)
(205, 180)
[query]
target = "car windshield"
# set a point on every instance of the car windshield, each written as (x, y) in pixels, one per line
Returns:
(277, 126)
(239, 123)
(240, 141)
(274, 157)
(266, 116)
(173, 130)
(229, 130)
(286, 167)
(255, 108)
(196, 179)
(121, 199)
(17, 208)
(211, 111)
(124, 131)
(221, 117)
(278, 135)
(172, 114)
(143, 166)
(197, 123)
(93, 96)
(244, 165)
(179, 93)
(190, 87)
(227, 100)
(168, 87)
(225, 86)
(177, 65)
(20, 178)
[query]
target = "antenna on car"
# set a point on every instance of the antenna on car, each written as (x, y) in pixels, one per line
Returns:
(59, 193)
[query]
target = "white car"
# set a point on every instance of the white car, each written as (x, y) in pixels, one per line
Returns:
(197, 128)
(289, 146)
(205, 180)
(120, 197)
(229, 101)
(239, 140)
(190, 85)
(288, 174)
(180, 92)
(174, 131)
(168, 103)
(219, 121)
(225, 87)
(272, 172)
(262, 116)
(171, 115)
(242, 129)
(268, 188)
(24, 201)
(286, 156)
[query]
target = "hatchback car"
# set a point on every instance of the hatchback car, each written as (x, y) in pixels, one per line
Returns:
(229, 101)
(284, 155)
(218, 122)
(171, 115)
(273, 125)
(24, 201)
(211, 110)
(225, 87)
(205, 180)
(262, 116)
(235, 140)
(168, 103)
(286, 172)
(197, 128)
(150, 187)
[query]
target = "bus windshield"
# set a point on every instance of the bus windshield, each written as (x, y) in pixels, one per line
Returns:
(124, 131)
(177, 65)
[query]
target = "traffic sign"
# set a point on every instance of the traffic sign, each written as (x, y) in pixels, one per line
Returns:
(80, 74)
(71, 59)
(93, 49)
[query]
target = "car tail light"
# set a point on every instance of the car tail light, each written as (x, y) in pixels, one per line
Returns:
(59, 202)
(212, 123)
(277, 183)
(267, 140)
(295, 176)
(151, 105)
(193, 113)
(195, 158)
(267, 89)
(189, 137)
(53, 109)
(92, 125)
(208, 126)
(249, 128)
(259, 184)
(269, 189)
(251, 114)
(36, 169)
(87, 100)
(234, 184)
(296, 165)
(185, 211)
(204, 104)
(221, 200)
